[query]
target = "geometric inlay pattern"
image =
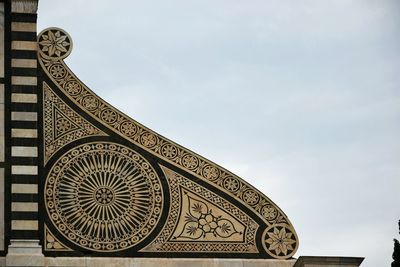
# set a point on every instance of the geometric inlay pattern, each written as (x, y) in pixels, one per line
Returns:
(54, 43)
(62, 125)
(197, 218)
(162, 147)
(278, 240)
(103, 196)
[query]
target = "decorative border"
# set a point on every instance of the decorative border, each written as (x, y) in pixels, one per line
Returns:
(107, 115)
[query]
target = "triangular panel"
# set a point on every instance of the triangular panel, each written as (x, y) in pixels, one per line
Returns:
(51, 243)
(202, 221)
(62, 125)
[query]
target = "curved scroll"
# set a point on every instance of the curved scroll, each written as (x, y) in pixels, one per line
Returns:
(274, 236)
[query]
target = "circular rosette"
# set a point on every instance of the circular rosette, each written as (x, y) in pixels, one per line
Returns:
(280, 241)
(54, 44)
(103, 196)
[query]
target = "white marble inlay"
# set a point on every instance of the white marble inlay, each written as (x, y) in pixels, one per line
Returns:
(24, 206)
(1, 93)
(24, 169)
(24, 45)
(24, 188)
(24, 225)
(24, 6)
(24, 80)
(24, 151)
(24, 133)
(23, 98)
(23, 26)
(23, 116)
(23, 63)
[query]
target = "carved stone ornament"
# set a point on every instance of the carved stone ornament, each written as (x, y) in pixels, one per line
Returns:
(54, 44)
(113, 187)
(103, 196)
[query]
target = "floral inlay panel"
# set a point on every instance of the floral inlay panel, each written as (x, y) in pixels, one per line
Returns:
(202, 221)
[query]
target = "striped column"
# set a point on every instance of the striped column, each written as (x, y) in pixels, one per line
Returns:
(2, 123)
(22, 99)
(24, 123)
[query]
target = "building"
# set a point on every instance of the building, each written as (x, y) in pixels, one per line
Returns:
(85, 185)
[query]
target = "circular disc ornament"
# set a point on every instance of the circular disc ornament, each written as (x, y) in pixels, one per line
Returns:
(280, 241)
(103, 196)
(54, 44)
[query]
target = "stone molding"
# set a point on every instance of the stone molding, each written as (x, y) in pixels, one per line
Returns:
(306, 261)
(24, 253)
(316, 261)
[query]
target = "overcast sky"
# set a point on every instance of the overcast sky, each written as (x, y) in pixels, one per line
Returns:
(299, 98)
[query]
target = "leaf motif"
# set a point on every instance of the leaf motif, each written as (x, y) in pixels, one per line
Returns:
(197, 208)
(191, 230)
(50, 238)
(190, 218)
(225, 228)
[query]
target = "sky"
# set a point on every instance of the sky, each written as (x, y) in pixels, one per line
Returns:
(299, 98)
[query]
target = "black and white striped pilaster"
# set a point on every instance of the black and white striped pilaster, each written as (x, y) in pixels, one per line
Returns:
(24, 127)
(3, 10)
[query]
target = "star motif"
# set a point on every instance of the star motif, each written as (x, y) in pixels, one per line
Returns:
(54, 43)
(280, 241)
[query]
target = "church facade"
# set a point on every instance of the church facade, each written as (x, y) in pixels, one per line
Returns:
(82, 184)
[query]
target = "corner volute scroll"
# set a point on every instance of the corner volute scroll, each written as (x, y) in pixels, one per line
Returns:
(274, 236)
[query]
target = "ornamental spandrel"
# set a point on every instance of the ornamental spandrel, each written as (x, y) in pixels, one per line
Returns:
(113, 187)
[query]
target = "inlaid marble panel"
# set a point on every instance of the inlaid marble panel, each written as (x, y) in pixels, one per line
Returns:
(113, 187)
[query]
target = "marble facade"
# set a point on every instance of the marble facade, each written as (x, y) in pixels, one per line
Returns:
(82, 184)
